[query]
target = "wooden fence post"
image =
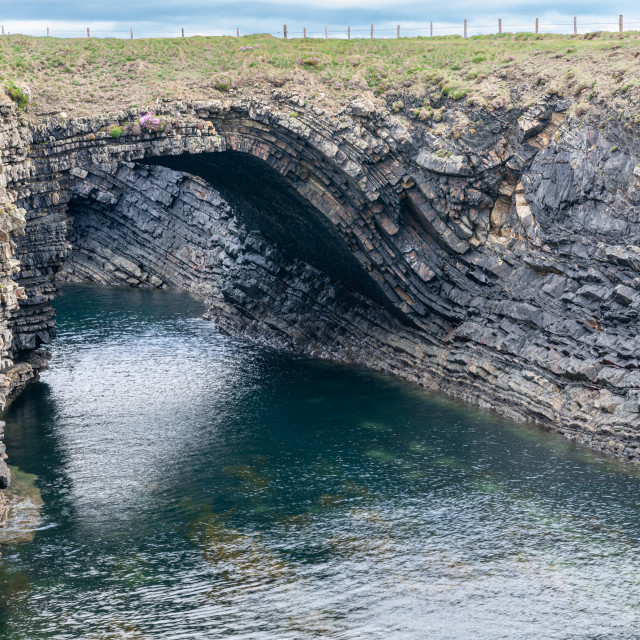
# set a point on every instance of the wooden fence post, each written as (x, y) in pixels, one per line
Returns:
(398, 31)
(499, 25)
(326, 33)
(372, 32)
(285, 30)
(575, 25)
(88, 32)
(183, 32)
(305, 32)
(237, 32)
(620, 23)
(465, 27)
(431, 29)
(537, 26)
(47, 32)
(131, 32)
(348, 33)
(2, 29)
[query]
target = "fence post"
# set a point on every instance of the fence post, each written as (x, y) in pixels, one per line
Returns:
(88, 32)
(183, 32)
(398, 31)
(499, 25)
(575, 25)
(620, 23)
(237, 32)
(372, 32)
(348, 33)
(465, 27)
(305, 32)
(326, 33)
(431, 29)
(285, 30)
(131, 32)
(537, 25)
(2, 29)
(47, 32)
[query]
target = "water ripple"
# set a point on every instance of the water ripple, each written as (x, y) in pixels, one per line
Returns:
(198, 487)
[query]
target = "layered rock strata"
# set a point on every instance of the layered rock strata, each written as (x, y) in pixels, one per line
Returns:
(489, 255)
(13, 376)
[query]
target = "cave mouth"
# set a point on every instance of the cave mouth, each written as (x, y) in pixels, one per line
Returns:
(265, 201)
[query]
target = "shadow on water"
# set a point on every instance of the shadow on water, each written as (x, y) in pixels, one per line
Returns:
(196, 486)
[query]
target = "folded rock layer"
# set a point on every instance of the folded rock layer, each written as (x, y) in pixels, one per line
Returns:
(493, 256)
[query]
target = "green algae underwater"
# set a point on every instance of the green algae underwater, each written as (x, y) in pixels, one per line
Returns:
(176, 483)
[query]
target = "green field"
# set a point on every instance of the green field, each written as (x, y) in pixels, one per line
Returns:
(90, 75)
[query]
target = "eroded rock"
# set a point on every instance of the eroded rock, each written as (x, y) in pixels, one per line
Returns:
(501, 268)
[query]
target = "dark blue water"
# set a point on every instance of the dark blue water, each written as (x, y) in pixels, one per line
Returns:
(197, 487)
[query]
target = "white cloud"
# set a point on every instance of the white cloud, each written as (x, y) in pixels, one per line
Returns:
(264, 16)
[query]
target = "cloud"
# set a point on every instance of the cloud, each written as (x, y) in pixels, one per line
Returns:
(215, 17)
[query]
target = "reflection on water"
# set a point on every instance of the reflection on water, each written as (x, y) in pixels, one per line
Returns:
(197, 487)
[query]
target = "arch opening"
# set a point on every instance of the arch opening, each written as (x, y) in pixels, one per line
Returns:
(266, 201)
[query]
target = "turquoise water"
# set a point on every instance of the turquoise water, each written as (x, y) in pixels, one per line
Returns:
(194, 486)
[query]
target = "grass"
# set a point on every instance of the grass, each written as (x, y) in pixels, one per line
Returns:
(86, 76)
(19, 94)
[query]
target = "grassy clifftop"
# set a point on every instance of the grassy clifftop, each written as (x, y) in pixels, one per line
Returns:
(86, 76)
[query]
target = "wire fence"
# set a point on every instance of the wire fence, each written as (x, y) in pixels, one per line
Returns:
(430, 29)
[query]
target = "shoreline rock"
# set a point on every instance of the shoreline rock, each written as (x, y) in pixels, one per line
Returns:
(361, 236)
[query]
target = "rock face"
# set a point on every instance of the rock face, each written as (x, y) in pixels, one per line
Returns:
(491, 256)
(13, 376)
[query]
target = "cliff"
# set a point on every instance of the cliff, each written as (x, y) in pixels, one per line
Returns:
(490, 254)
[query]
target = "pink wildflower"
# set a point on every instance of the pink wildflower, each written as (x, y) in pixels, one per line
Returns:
(149, 121)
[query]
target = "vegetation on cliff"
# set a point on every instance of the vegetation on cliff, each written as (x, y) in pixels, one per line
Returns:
(84, 76)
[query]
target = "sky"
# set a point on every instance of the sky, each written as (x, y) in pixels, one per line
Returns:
(217, 17)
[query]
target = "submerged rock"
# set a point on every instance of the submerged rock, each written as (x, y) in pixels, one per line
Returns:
(20, 507)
